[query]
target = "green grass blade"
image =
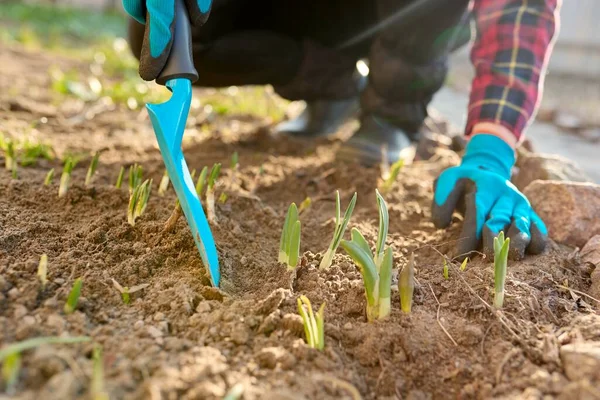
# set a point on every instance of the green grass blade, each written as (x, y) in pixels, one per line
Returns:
(463, 265)
(340, 229)
(383, 226)
(385, 283)
(120, 178)
(305, 205)
(73, 298)
(11, 367)
(19, 347)
(214, 174)
(394, 171)
(500, 269)
(321, 327)
(294, 246)
(92, 168)
(306, 322)
(311, 319)
(338, 208)
(359, 239)
(201, 181)
(406, 285)
(49, 177)
(234, 160)
(288, 225)
(367, 268)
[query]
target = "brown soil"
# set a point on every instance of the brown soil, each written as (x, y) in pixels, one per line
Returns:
(180, 338)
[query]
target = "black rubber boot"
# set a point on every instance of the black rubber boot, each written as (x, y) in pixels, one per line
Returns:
(373, 135)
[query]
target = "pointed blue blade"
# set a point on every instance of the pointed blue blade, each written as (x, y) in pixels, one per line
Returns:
(168, 120)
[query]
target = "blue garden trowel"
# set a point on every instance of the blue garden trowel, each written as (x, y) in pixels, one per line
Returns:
(168, 120)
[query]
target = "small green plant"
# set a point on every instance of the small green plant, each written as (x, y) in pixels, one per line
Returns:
(65, 177)
(463, 265)
(10, 158)
(393, 175)
(97, 386)
(234, 161)
(201, 182)
(446, 273)
(120, 178)
(340, 229)
(10, 355)
(73, 299)
(313, 324)
(138, 201)
(42, 271)
(376, 269)
(164, 184)
(210, 193)
(135, 177)
(92, 169)
(127, 291)
(501, 247)
(49, 177)
(305, 205)
(223, 198)
(289, 245)
(406, 285)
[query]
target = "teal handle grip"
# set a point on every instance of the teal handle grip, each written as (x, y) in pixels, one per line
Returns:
(180, 63)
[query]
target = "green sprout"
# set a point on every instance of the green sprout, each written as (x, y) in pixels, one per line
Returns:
(127, 291)
(49, 177)
(10, 355)
(120, 178)
(289, 245)
(305, 205)
(406, 285)
(376, 269)
(234, 161)
(92, 169)
(97, 387)
(164, 184)
(223, 198)
(10, 161)
(135, 177)
(340, 229)
(201, 181)
(463, 265)
(393, 175)
(42, 271)
(313, 324)
(73, 298)
(446, 273)
(210, 193)
(138, 201)
(501, 247)
(65, 177)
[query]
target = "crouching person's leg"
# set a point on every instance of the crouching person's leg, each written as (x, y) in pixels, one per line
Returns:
(408, 64)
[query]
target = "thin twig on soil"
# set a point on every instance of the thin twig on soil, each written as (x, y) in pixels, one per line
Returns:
(505, 360)
(483, 339)
(438, 316)
(577, 292)
(353, 391)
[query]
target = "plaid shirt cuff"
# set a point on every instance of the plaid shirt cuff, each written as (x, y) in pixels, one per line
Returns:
(510, 53)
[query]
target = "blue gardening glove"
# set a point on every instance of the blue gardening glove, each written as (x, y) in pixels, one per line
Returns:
(159, 30)
(480, 187)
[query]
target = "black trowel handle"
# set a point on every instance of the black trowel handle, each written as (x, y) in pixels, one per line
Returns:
(180, 63)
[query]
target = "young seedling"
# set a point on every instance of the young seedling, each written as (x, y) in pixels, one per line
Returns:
(97, 386)
(305, 205)
(164, 184)
(393, 175)
(463, 265)
(376, 269)
(135, 177)
(49, 177)
(340, 229)
(406, 285)
(120, 178)
(446, 274)
(127, 291)
(313, 324)
(92, 169)
(10, 356)
(501, 247)
(73, 298)
(138, 201)
(201, 182)
(65, 177)
(289, 245)
(210, 193)
(223, 198)
(10, 161)
(42, 271)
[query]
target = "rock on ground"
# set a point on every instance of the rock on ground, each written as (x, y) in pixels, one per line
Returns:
(570, 210)
(547, 168)
(591, 254)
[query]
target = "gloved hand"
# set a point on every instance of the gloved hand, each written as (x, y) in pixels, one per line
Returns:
(480, 187)
(158, 36)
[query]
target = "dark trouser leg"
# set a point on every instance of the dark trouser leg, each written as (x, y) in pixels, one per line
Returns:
(408, 62)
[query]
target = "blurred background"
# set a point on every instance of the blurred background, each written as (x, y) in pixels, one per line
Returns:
(567, 124)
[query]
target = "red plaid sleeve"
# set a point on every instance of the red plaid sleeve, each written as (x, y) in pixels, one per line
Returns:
(513, 43)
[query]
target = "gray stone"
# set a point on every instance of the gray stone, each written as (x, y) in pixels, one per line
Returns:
(545, 167)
